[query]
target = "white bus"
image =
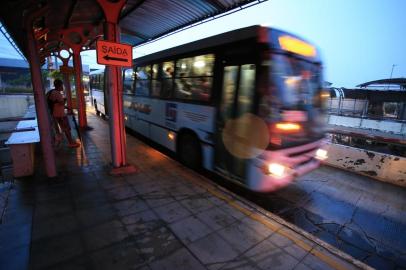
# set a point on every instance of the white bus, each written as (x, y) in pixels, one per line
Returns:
(247, 104)
(97, 96)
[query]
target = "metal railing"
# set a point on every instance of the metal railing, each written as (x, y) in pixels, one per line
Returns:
(360, 108)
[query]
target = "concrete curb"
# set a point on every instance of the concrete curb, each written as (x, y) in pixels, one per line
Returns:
(383, 167)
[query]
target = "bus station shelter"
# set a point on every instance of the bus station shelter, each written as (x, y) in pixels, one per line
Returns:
(43, 28)
(165, 216)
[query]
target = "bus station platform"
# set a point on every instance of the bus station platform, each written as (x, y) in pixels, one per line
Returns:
(165, 216)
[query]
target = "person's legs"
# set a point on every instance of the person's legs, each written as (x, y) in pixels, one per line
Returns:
(58, 134)
(64, 124)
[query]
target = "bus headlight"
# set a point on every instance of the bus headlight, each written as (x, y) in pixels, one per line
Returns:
(288, 126)
(276, 169)
(171, 136)
(321, 154)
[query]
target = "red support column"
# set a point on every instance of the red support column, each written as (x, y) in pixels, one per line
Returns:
(66, 82)
(65, 70)
(115, 92)
(44, 123)
(116, 114)
(75, 39)
(80, 97)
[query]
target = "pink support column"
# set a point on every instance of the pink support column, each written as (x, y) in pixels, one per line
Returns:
(66, 82)
(76, 44)
(116, 114)
(80, 97)
(115, 93)
(44, 123)
(66, 71)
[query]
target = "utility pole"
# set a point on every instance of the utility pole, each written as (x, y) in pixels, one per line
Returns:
(391, 73)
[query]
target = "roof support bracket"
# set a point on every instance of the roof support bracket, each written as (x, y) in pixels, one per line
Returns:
(76, 39)
(112, 9)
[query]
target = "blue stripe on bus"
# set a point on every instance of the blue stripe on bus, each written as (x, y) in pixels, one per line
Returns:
(164, 127)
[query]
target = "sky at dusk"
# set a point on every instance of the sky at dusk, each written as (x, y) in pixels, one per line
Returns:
(359, 40)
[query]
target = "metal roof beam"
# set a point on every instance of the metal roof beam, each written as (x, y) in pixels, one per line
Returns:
(131, 9)
(217, 4)
(70, 12)
(134, 33)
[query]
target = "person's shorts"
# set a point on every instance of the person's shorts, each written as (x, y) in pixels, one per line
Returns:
(63, 123)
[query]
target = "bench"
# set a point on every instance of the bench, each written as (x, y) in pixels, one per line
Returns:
(22, 144)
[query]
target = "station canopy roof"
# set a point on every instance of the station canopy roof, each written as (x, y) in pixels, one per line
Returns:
(401, 82)
(141, 21)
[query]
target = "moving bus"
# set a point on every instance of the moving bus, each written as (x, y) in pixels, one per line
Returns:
(246, 104)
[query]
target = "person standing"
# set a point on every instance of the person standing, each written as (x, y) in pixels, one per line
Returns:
(56, 103)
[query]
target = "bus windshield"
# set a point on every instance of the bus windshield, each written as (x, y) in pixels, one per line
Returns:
(298, 83)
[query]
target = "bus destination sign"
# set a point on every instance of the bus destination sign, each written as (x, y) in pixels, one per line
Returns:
(114, 54)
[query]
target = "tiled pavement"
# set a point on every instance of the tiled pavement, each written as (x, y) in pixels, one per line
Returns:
(163, 217)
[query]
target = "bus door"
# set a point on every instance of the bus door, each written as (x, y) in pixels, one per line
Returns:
(237, 98)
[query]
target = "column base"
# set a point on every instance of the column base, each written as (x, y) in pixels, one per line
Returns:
(124, 170)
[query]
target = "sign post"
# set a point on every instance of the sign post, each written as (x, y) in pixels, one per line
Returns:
(115, 55)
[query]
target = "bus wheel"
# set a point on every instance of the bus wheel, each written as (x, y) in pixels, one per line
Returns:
(189, 151)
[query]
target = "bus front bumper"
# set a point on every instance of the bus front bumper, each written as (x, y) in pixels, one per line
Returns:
(276, 169)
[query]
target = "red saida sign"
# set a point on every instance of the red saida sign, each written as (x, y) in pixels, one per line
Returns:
(114, 54)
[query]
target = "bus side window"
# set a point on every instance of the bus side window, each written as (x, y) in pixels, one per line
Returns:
(101, 82)
(167, 79)
(143, 79)
(128, 84)
(156, 80)
(194, 78)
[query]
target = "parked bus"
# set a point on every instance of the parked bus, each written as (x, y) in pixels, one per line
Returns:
(246, 104)
(97, 97)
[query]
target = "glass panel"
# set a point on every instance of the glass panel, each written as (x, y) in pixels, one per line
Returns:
(142, 84)
(167, 79)
(246, 89)
(142, 87)
(297, 82)
(167, 69)
(224, 157)
(101, 84)
(129, 77)
(202, 88)
(155, 69)
(229, 88)
(156, 88)
(183, 88)
(245, 99)
(391, 109)
(198, 89)
(143, 73)
(201, 65)
(167, 85)
(375, 109)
